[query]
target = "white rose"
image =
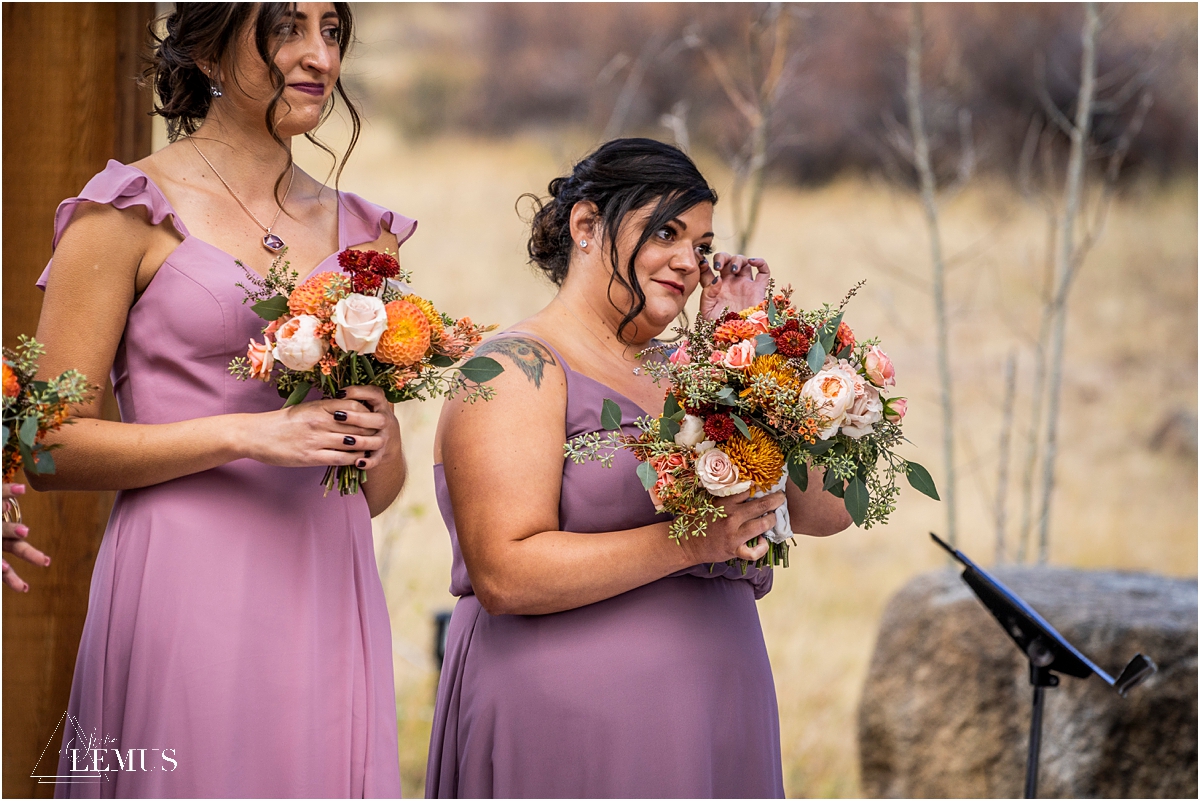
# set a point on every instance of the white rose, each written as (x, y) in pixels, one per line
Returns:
(359, 321)
(718, 474)
(833, 391)
(691, 431)
(864, 413)
(297, 345)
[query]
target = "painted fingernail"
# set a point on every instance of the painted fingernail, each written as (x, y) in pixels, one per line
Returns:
(22, 531)
(341, 393)
(348, 440)
(361, 463)
(17, 489)
(340, 416)
(47, 561)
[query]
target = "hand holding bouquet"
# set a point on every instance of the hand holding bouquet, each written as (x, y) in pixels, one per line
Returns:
(758, 396)
(359, 327)
(33, 408)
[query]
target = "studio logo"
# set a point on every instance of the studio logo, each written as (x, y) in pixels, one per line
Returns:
(89, 757)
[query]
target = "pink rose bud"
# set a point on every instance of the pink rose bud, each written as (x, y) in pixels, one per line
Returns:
(894, 409)
(760, 320)
(680, 355)
(878, 367)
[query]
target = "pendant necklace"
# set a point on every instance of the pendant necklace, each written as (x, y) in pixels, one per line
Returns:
(270, 241)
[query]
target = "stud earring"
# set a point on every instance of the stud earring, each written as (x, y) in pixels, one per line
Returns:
(583, 243)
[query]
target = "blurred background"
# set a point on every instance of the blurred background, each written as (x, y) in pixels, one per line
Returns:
(805, 119)
(468, 106)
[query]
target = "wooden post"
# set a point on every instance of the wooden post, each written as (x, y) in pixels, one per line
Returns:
(70, 104)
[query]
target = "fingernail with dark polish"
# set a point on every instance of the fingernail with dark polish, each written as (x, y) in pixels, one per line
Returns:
(340, 416)
(341, 393)
(361, 463)
(348, 440)
(367, 454)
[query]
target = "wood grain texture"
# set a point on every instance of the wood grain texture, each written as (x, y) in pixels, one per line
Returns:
(70, 103)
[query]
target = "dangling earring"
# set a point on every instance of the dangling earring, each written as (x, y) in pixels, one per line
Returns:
(215, 88)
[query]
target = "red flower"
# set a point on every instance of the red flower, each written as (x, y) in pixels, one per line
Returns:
(719, 427)
(792, 344)
(845, 338)
(384, 265)
(365, 282)
(353, 261)
(730, 317)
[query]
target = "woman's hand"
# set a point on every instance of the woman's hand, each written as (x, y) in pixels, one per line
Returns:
(14, 543)
(726, 538)
(349, 430)
(729, 285)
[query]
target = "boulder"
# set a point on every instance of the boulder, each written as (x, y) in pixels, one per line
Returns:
(946, 705)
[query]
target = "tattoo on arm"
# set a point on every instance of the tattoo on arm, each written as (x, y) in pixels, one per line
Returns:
(528, 354)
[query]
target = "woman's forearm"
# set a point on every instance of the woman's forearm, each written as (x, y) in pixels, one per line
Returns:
(385, 481)
(553, 571)
(107, 455)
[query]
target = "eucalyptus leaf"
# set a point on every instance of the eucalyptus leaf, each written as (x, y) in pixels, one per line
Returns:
(271, 308)
(441, 360)
(647, 474)
(765, 343)
(838, 489)
(857, 500)
(480, 369)
(830, 480)
(845, 352)
(741, 426)
(298, 394)
(671, 407)
(797, 469)
(816, 356)
(772, 313)
(667, 429)
(43, 463)
(818, 447)
(7, 432)
(829, 333)
(28, 431)
(920, 480)
(610, 415)
(369, 367)
(727, 397)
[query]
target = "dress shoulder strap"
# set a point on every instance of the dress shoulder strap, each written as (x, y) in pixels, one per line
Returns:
(120, 186)
(360, 221)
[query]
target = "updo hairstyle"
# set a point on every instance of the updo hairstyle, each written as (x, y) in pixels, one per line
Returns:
(621, 176)
(205, 32)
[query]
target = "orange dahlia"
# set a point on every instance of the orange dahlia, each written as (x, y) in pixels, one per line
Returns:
(319, 294)
(735, 331)
(406, 338)
(758, 459)
(12, 387)
(431, 314)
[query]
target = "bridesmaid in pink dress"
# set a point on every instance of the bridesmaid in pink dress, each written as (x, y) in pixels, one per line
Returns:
(589, 655)
(237, 639)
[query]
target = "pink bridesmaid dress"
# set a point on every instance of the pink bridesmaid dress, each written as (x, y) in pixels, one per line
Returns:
(237, 641)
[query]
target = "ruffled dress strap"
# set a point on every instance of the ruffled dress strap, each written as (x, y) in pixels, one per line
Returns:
(361, 221)
(120, 186)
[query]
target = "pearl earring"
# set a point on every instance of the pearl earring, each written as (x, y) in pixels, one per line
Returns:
(583, 243)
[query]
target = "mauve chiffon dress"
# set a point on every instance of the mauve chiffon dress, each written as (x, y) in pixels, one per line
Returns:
(236, 619)
(662, 691)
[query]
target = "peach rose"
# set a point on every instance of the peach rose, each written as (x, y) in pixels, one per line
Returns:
(359, 321)
(833, 391)
(262, 360)
(760, 320)
(717, 357)
(275, 325)
(739, 356)
(718, 474)
(665, 482)
(864, 413)
(668, 463)
(878, 368)
(894, 409)
(680, 355)
(297, 344)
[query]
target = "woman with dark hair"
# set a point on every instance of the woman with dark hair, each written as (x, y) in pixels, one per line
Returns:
(237, 639)
(589, 655)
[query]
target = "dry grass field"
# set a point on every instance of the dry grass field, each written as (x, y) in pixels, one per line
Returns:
(1131, 363)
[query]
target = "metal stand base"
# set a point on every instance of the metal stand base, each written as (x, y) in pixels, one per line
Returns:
(1040, 678)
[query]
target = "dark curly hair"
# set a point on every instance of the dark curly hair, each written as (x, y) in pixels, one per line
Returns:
(205, 32)
(621, 176)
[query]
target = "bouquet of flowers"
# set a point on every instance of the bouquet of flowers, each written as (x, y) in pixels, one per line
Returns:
(33, 409)
(360, 326)
(758, 396)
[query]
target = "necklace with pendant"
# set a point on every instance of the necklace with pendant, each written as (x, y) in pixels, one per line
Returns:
(270, 241)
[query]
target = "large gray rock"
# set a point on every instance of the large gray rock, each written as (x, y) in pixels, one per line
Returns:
(945, 709)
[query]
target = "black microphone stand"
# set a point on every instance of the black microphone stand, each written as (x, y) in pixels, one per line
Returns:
(1046, 649)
